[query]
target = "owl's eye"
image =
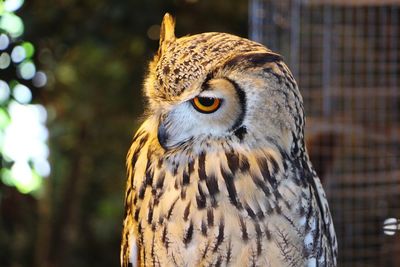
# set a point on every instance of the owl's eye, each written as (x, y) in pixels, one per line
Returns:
(206, 104)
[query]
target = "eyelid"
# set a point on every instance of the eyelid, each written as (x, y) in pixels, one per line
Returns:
(207, 93)
(211, 94)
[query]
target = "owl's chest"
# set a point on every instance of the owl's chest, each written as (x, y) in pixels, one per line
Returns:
(185, 230)
(220, 211)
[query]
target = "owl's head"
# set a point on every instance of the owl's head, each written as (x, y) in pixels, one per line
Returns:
(219, 87)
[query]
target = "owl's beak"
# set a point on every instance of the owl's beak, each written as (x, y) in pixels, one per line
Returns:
(162, 135)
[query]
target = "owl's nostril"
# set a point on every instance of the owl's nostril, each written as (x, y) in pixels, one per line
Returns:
(162, 136)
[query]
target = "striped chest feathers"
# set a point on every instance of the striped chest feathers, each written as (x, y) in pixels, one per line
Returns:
(220, 208)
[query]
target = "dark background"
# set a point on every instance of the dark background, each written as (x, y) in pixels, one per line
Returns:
(95, 54)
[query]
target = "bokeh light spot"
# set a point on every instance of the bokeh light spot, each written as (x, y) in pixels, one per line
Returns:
(18, 54)
(24, 178)
(40, 79)
(27, 70)
(41, 113)
(4, 119)
(4, 60)
(29, 49)
(12, 5)
(12, 24)
(6, 177)
(4, 91)
(154, 32)
(23, 149)
(42, 167)
(22, 94)
(66, 74)
(4, 41)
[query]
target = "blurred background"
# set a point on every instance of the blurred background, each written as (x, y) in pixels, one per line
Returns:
(71, 74)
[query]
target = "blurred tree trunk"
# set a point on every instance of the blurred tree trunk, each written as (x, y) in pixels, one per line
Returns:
(58, 222)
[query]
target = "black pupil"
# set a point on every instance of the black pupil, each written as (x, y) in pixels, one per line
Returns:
(206, 101)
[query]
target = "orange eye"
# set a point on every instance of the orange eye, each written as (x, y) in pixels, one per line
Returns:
(206, 104)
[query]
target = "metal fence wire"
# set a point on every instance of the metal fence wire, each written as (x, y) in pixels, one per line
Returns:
(345, 55)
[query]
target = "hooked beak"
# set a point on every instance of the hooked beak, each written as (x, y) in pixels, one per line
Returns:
(165, 135)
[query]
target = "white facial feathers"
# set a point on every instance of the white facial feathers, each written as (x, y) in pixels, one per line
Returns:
(183, 121)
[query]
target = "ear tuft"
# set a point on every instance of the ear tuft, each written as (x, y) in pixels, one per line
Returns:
(167, 32)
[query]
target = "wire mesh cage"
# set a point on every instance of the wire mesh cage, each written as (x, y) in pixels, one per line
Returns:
(345, 56)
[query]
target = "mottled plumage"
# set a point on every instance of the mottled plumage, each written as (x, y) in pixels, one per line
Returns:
(230, 187)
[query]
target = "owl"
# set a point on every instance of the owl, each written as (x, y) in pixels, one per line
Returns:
(218, 173)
